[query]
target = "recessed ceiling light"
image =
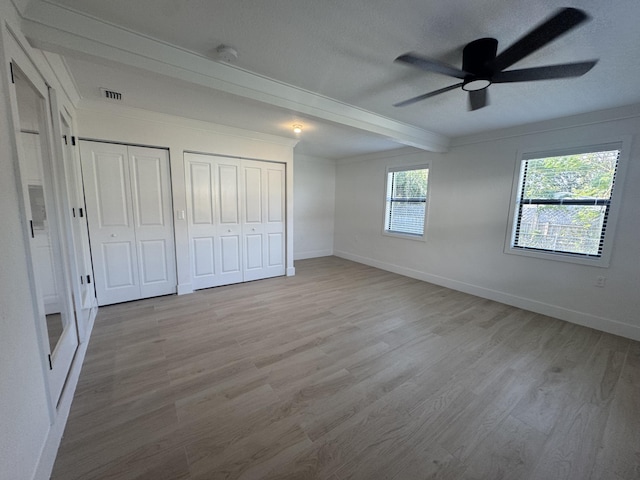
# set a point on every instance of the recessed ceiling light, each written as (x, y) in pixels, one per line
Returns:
(297, 128)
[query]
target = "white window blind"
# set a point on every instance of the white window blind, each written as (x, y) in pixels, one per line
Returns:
(406, 200)
(564, 200)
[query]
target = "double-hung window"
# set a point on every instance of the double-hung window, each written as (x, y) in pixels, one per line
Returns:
(563, 204)
(406, 201)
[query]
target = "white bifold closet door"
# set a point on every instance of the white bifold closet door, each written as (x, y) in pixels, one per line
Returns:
(236, 219)
(129, 212)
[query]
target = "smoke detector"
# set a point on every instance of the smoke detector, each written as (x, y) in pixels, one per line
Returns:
(227, 54)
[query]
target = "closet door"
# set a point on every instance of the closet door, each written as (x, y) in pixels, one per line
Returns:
(128, 196)
(263, 219)
(213, 214)
(106, 177)
(153, 220)
(41, 174)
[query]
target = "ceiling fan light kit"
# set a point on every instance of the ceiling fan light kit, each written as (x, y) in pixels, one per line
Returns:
(482, 66)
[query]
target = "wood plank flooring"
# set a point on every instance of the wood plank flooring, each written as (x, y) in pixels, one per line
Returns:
(349, 372)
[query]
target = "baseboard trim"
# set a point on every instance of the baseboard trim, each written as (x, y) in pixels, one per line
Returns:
(312, 254)
(573, 316)
(54, 437)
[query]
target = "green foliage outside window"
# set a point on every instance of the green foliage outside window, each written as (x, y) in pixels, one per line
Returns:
(565, 201)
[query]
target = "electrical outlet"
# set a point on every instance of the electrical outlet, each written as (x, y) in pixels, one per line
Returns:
(600, 281)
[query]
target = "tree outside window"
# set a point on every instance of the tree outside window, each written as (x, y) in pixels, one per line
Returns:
(564, 202)
(406, 200)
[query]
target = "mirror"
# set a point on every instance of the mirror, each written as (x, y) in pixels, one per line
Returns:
(46, 243)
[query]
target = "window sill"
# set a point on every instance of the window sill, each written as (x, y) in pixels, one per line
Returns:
(406, 236)
(600, 262)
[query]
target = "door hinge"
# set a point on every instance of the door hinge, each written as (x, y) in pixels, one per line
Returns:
(73, 140)
(13, 80)
(73, 211)
(31, 225)
(88, 278)
(50, 364)
(81, 212)
(64, 137)
(81, 280)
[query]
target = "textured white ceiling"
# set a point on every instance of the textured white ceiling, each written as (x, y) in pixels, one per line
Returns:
(345, 50)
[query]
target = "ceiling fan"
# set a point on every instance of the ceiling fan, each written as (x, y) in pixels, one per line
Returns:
(481, 66)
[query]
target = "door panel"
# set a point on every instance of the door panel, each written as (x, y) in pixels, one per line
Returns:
(276, 250)
(253, 195)
(120, 269)
(228, 187)
(147, 191)
(107, 183)
(213, 211)
(263, 223)
(200, 181)
(201, 193)
(111, 180)
(203, 258)
(153, 271)
(254, 252)
(230, 254)
(153, 214)
(275, 218)
(275, 195)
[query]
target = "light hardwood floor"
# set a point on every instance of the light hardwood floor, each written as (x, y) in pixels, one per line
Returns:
(343, 372)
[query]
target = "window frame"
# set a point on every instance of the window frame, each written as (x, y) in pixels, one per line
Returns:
(620, 143)
(404, 168)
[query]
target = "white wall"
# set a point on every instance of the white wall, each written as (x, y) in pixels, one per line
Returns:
(470, 193)
(314, 186)
(110, 122)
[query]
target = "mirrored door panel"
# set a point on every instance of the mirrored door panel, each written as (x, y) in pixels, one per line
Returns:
(49, 262)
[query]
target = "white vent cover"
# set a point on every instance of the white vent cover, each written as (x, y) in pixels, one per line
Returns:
(110, 94)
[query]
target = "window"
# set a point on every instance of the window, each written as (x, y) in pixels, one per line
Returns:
(564, 201)
(406, 201)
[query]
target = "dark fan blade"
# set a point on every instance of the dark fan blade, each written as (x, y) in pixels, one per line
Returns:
(478, 99)
(427, 95)
(544, 73)
(431, 65)
(560, 23)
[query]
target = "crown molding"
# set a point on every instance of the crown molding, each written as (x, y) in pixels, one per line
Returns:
(61, 30)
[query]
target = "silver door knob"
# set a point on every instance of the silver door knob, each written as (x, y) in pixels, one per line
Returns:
(228, 231)
(253, 229)
(114, 235)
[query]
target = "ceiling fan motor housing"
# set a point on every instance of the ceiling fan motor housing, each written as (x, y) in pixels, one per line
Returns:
(481, 66)
(477, 58)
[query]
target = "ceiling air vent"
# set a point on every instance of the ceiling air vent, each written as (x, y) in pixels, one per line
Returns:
(110, 94)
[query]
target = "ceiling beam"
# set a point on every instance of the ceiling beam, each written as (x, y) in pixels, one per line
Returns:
(60, 30)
